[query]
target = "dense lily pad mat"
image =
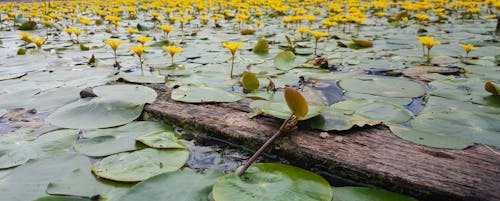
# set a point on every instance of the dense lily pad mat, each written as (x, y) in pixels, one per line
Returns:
(268, 181)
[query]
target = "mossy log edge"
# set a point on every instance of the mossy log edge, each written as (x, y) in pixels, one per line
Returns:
(371, 155)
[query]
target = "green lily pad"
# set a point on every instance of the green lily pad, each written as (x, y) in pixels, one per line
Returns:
(375, 110)
(262, 47)
(97, 112)
(366, 194)
(14, 153)
(140, 165)
(396, 101)
(281, 110)
(383, 86)
(81, 182)
(359, 112)
(277, 182)
(138, 78)
(61, 198)
(18, 186)
(285, 60)
(104, 142)
(339, 120)
(451, 130)
(162, 140)
(250, 81)
(187, 185)
(137, 94)
(203, 94)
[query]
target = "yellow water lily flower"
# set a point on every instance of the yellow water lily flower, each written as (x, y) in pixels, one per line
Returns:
(25, 37)
(468, 48)
(172, 50)
(143, 39)
(138, 50)
(302, 30)
(114, 45)
(166, 30)
(131, 31)
(428, 42)
(232, 46)
(38, 42)
(317, 35)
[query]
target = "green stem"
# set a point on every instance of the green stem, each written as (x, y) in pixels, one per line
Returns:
(142, 69)
(232, 65)
(315, 47)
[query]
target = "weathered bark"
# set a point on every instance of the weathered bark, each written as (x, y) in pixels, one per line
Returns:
(371, 155)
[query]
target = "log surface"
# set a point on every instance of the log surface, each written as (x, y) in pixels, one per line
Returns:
(371, 155)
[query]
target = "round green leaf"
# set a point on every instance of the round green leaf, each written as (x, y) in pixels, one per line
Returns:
(81, 182)
(203, 94)
(285, 60)
(262, 47)
(366, 194)
(277, 182)
(383, 86)
(140, 165)
(451, 130)
(162, 140)
(185, 185)
(138, 78)
(137, 94)
(374, 110)
(250, 81)
(104, 142)
(89, 113)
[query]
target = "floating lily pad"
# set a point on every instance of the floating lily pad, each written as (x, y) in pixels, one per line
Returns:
(285, 60)
(366, 194)
(138, 78)
(89, 113)
(187, 185)
(262, 47)
(137, 94)
(396, 101)
(104, 142)
(203, 94)
(162, 139)
(140, 165)
(281, 109)
(383, 86)
(81, 182)
(14, 153)
(277, 182)
(18, 186)
(451, 130)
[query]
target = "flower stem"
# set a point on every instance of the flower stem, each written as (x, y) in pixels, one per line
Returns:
(287, 125)
(232, 65)
(142, 69)
(315, 47)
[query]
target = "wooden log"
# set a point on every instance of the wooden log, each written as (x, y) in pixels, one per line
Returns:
(370, 155)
